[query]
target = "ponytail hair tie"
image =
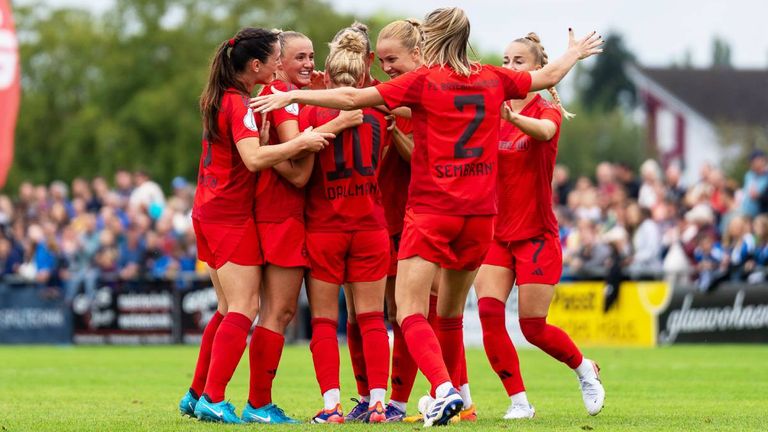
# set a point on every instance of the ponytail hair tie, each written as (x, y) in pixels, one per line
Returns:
(231, 43)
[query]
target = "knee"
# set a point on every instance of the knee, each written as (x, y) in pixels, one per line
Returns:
(285, 316)
(247, 305)
(532, 328)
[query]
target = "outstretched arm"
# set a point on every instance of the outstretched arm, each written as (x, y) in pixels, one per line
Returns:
(344, 98)
(556, 70)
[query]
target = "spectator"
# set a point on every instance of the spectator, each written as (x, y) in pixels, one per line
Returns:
(123, 184)
(739, 247)
(709, 259)
(627, 178)
(758, 265)
(673, 182)
(147, 195)
(651, 189)
(563, 185)
(755, 183)
(646, 243)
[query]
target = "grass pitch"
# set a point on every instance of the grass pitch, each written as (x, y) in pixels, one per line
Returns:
(682, 388)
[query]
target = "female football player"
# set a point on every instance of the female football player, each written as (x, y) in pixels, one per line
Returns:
(279, 215)
(222, 212)
(347, 237)
(526, 247)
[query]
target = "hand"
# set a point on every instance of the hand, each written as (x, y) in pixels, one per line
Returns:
(264, 131)
(278, 99)
(390, 122)
(314, 141)
(507, 113)
(317, 80)
(587, 46)
(351, 119)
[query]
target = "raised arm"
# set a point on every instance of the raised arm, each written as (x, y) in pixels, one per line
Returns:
(556, 70)
(344, 98)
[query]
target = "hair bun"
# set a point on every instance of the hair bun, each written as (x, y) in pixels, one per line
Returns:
(349, 41)
(357, 25)
(414, 22)
(533, 37)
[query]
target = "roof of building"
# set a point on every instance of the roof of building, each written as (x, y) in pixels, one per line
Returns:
(719, 94)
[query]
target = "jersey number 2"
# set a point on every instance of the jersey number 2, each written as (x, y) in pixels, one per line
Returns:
(459, 150)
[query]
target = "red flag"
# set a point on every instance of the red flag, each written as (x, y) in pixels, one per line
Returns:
(10, 88)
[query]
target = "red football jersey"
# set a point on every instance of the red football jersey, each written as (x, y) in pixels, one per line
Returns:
(276, 198)
(525, 177)
(394, 178)
(456, 134)
(343, 192)
(225, 187)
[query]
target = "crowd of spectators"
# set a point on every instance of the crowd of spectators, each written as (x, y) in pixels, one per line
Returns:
(68, 238)
(652, 226)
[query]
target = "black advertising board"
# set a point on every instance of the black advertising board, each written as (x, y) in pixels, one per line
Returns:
(730, 314)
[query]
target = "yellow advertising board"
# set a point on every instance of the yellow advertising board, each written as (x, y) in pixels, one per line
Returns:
(578, 308)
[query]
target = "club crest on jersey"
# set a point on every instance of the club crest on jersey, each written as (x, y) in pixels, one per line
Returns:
(249, 121)
(292, 109)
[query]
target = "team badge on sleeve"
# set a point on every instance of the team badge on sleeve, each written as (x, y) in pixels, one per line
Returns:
(250, 121)
(292, 109)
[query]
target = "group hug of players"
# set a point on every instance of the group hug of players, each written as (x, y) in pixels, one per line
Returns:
(404, 192)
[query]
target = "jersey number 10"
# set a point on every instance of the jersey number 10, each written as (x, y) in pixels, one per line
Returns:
(339, 159)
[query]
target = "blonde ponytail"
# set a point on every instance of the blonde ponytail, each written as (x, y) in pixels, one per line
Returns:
(533, 42)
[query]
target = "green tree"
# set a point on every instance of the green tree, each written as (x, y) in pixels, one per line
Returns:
(605, 85)
(721, 53)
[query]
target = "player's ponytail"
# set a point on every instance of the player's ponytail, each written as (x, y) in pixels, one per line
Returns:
(345, 64)
(541, 58)
(230, 59)
(407, 32)
(446, 40)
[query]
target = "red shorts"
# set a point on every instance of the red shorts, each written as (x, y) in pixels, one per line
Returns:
(355, 256)
(218, 244)
(453, 242)
(394, 246)
(537, 260)
(283, 243)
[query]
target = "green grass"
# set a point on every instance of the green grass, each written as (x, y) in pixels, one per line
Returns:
(686, 388)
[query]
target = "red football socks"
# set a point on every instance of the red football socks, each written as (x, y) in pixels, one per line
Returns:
(403, 367)
(228, 346)
(356, 354)
(264, 357)
(204, 357)
(498, 346)
(375, 348)
(325, 353)
(450, 333)
(425, 349)
(551, 340)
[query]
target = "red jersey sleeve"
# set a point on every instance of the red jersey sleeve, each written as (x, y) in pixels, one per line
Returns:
(307, 117)
(553, 114)
(404, 90)
(290, 112)
(243, 122)
(516, 84)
